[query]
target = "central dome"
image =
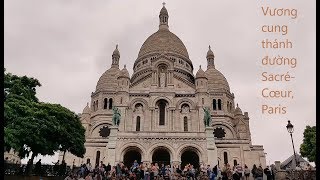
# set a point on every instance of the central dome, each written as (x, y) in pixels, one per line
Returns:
(163, 41)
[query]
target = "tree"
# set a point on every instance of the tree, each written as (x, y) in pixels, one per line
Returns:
(70, 132)
(37, 127)
(308, 147)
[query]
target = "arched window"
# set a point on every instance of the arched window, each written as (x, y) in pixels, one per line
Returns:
(105, 106)
(202, 100)
(97, 105)
(219, 104)
(121, 100)
(162, 112)
(230, 106)
(94, 105)
(235, 162)
(138, 124)
(225, 157)
(110, 103)
(185, 123)
(214, 104)
(88, 160)
(97, 158)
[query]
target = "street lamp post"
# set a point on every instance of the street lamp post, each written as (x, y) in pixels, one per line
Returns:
(290, 130)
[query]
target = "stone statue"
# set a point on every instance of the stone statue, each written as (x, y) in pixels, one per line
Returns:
(207, 117)
(116, 116)
(162, 78)
(185, 109)
(138, 108)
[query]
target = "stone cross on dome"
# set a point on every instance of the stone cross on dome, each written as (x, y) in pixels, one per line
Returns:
(163, 4)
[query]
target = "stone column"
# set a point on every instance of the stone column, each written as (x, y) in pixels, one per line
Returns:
(111, 146)
(211, 147)
(172, 120)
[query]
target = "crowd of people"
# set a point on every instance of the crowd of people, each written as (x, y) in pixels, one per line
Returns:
(152, 171)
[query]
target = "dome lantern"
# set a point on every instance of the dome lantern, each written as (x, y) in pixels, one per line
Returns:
(210, 59)
(115, 57)
(163, 17)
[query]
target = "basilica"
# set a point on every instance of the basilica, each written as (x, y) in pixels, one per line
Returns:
(162, 111)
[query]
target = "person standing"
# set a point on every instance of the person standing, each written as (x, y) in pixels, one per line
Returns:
(162, 170)
(267, 172)
(219, 176)
(246, 172)
(156, 171)
(254, 171)
(152, 170)
(108, 168)
(213, 174)
(89, 166)
(239, 171)
(208, 170)
(37, 168)
(224, 172)
(229, 171)
(259, 173)
(215, 170)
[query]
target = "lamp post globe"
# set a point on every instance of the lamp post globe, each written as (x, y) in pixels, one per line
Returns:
(290, 130)
(290, 127)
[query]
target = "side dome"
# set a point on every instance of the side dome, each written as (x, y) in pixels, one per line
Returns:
(201, 73)
(216, 80)
(163, 41)
(86, 110)
(238, 111)
(124, 72)
(108, 80)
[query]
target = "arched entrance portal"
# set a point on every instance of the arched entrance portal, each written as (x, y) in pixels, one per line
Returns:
(161, 156)
(191, 157)
(130, 156)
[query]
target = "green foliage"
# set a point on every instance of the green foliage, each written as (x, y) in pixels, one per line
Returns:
(37, 127)
(70, 132)
(20, 86)
(308, 147)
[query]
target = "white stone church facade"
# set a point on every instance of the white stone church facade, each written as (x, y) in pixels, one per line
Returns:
(162, 112)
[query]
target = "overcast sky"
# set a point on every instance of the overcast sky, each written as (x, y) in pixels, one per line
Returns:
(67, 45)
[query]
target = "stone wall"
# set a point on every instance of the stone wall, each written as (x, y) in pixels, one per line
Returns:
(296, 175)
